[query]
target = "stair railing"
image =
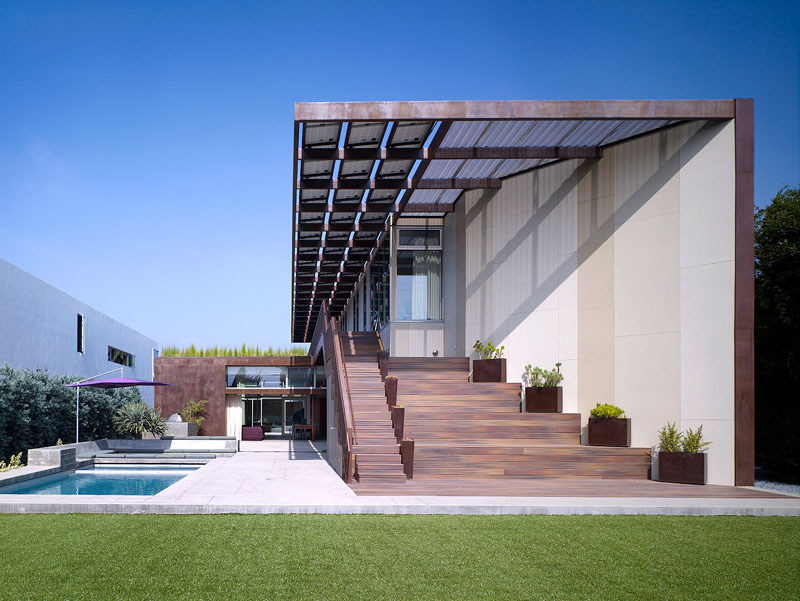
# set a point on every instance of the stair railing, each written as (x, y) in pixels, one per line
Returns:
(339, 392)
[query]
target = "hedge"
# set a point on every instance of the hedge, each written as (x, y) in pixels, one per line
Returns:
(37, 408)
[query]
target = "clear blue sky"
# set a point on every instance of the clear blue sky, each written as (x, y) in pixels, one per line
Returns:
(145, 148)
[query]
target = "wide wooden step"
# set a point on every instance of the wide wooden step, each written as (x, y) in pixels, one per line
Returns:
(428, 364)
(465, 430)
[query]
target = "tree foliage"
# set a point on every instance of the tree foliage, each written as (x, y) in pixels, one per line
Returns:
(37, 409)
(777, 332)
(195, 411)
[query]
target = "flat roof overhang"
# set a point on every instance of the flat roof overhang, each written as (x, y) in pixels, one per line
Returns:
(358, 165)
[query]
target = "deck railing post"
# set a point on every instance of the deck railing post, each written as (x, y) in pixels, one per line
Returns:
(383, 363)
(398, 419)
(407, 457)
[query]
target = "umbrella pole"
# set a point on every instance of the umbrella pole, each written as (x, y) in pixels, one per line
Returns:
(121, 371)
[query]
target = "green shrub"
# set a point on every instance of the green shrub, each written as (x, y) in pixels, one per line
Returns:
(138, 418)
(669, 439)
(606, 411)
(692, 441)
(539, 378)
(36, 408)
(195, 411)
(13, 463)
(488, 351)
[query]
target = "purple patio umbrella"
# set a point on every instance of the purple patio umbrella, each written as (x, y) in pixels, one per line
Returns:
(105, 383)
(117, 383)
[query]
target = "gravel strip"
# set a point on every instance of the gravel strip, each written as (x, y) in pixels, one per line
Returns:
(793, 489)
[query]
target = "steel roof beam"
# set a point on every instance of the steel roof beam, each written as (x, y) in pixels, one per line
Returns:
(444, 154)
(473, 183)
(514, 110)
(363, 207)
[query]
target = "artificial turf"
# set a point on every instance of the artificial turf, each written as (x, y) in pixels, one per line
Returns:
(239, 557)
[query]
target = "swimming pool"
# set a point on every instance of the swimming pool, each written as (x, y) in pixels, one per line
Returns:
(101, 480)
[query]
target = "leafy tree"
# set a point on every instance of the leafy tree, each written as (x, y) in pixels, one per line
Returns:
(777, 335)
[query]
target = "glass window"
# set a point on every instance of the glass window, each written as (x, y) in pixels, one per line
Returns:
(256, 377)
(272, 376)
(421, 238)
(301, 377)
(379, 287)
(419, 285)
(321, 380)
(121, 357)
(81, 345)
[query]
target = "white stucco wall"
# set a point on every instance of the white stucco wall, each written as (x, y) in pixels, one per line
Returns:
(621, 269)
(38, 330)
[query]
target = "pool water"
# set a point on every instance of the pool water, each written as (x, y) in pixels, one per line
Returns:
(116, 480)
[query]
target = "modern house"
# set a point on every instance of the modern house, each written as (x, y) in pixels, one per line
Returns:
(613, 237)
(42, 327)
(272, 393)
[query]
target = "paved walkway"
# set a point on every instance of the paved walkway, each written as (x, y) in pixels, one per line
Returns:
(287, 476)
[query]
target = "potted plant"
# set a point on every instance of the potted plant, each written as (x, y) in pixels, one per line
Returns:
(542, 391)
(490, 366)
(681, 457)
(139, 420)
(608, 426)
(390, 384)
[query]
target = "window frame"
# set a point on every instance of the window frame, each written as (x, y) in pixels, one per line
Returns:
(420, 248)
(81, 334)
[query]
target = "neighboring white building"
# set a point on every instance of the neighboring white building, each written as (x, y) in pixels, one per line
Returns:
(42, 327)
(615, 237)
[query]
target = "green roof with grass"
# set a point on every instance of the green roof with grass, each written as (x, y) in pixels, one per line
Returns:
(228, 351)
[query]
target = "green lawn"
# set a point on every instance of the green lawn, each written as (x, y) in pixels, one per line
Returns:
(109, 557)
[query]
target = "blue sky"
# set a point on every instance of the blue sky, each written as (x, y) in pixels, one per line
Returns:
(145, 148)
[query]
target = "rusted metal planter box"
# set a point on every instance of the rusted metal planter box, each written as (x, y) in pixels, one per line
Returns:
(610, 431)
(547, 399)
(489, 370)
(683, 468)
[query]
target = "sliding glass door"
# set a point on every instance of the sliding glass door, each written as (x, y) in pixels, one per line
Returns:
(276, 415)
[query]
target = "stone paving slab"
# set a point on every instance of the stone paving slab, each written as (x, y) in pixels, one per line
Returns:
(286, 476)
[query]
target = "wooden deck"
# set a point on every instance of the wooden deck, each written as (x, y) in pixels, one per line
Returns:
(471, 439)
(556, 487)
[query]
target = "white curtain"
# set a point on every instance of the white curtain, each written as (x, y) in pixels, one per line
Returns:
(419, 285)
(233, 415)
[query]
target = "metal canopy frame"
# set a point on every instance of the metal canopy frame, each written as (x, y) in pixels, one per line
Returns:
(358, 165)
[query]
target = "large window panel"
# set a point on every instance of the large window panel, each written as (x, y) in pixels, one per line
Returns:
(419, 285)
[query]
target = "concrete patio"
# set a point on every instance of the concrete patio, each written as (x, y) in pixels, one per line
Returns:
(286, 476)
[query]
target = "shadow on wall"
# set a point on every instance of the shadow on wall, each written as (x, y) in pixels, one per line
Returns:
(601, 231)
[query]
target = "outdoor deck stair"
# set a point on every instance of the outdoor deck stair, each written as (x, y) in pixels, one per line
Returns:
(377, 452)
(469, 430)
(466, 430)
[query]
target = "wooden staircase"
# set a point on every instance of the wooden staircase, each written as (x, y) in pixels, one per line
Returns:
(465, 430)
(377, 453)
(475, 430)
